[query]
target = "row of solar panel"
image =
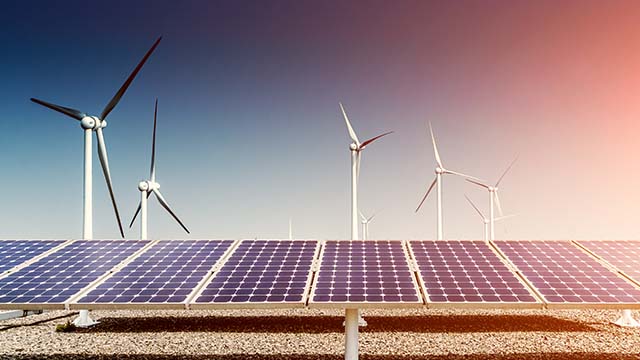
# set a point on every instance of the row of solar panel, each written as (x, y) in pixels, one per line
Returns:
(94, 274)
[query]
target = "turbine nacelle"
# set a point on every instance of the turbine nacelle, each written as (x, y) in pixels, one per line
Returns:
(92, 123)
(147, 185)
(353, 147)
(439, 170)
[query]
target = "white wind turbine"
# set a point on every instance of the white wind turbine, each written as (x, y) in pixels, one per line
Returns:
(365, 225)
(493, 198)
(148, 187)
(486, 221)
(95, 124)
(440, 170)
(352, 316)
(356, 148)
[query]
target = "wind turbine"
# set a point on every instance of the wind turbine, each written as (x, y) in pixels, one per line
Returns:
(148, 187)
(356, 148)
(493, 197)
(440, 170)
(365, 225)
(95, 124)
(486, 221)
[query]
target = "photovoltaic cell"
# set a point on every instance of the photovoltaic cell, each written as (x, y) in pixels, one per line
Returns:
(16, 252)
(365, 272)
(466, 272)
(166, 273)
(564, 274)
(262, 271)
(623, 255)
(62, 274)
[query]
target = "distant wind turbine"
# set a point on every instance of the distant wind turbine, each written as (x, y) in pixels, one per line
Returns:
(440, 170)
(356, 148)
(493, 197)
(486, 221)
(148, 187)
(96, 124)
(365, 225)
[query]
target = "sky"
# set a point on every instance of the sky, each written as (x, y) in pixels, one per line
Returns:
(249, 128)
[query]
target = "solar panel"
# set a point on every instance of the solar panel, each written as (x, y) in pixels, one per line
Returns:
(261, 273)
(16, 252)
(467, 272)
(568, 277)
(623, 255)
(54, 279)
(364, 274)
(163, 276)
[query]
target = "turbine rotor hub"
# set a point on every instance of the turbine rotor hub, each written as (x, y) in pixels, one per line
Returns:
(353, 147)
(439, 170)
(89, 122)
(143, 185)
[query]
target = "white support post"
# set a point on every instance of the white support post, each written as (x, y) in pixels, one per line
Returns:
(143, 215)
(87, 214)
(492, 217)
(84, 320)
(627, 320)
(351, 334)
(439, 189)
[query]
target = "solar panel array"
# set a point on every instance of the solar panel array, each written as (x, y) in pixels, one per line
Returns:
(164, 274)
(564, 274)
(466, 272)
(60, 275)
(279, 273)
(365, 272)
(624, 255)
(16, 252)
(262, 272)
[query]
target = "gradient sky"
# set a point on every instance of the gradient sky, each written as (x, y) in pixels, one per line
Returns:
(249, 129)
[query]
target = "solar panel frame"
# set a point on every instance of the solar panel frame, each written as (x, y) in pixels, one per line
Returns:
(537, 304)
(575, 305)
(630, 271)
(65, 304)
(34, 258)
(76, 304)
(193, 304)
(420, 303)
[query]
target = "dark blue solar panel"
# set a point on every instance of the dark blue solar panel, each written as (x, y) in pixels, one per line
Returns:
(365, 272)
(623, 255)
(166, 273)
(15, 252)
(263, 271)
(466, 271)
(563, 273)
(58, 276)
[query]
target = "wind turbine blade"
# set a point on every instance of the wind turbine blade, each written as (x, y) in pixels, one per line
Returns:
(76, 114)
(373, 139)
(504, 217)
(478, 183)
(427, 194)
(153, 144)
(358, 158)
(364, 219)
(475, 207)
(498, 203)
(435, 147)
(104, 161)
(138, 211)
(506, 171)
(371, 217)
(352, 133)
(446, 171)
(125, 86)
(164, 204)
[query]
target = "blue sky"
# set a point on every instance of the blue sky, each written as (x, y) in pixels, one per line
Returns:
(249, 129)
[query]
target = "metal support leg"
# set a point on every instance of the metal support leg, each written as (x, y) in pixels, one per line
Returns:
(351, 334)
(84, 320)
(627, 320)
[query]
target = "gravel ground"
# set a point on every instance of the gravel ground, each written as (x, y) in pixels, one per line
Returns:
(318, 334)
